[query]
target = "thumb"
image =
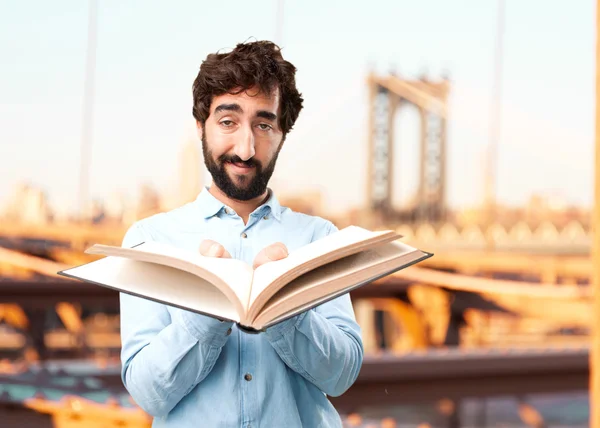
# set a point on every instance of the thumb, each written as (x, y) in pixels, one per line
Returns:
(276, 251)
(215, 250)
(271, 253)
(210, 248)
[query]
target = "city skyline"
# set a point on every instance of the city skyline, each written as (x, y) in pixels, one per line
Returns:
(143, 103)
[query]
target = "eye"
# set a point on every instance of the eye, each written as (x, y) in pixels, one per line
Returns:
(227, 123)
(265, 126)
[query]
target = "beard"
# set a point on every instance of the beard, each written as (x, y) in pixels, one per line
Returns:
(249, 187)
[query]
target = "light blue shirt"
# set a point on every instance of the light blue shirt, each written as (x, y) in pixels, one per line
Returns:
(190, 370)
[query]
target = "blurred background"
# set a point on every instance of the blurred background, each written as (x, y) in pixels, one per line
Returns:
(468, 126)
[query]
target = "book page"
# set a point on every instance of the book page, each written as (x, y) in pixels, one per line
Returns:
(157, 282)
(337, 277)
(339, 244)
(233, 277)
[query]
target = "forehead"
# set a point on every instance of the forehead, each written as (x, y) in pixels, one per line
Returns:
(250, 100)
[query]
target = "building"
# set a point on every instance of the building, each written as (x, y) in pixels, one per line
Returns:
(28, 204)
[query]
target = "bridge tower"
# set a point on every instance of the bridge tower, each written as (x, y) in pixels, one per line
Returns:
(386, 96)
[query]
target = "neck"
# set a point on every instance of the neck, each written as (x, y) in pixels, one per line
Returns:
(242, 208)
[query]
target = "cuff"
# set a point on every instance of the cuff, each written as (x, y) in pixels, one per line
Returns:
(203, 328)
(281, 329)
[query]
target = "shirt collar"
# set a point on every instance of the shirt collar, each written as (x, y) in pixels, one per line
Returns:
(210, 206)
(273, 204)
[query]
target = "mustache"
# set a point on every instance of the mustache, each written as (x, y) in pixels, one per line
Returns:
(236, 159)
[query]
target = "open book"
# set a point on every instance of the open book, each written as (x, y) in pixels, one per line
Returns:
(230, 289)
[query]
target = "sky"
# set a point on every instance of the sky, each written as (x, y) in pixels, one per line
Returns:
(149, 52)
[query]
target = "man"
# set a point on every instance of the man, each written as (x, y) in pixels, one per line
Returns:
(190, 370)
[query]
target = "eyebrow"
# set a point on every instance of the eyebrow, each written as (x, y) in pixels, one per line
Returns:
(229, 107)
(267, 115)
(236, 108)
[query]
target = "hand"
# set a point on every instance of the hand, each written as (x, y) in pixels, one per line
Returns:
(276, 251)
(210, 248)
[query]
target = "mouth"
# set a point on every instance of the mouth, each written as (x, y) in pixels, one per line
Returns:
(239, 167)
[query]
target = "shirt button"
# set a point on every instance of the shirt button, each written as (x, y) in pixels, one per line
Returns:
(248, 377)
(227, 210)
(266, 217)
(228, 331)
(243, 235)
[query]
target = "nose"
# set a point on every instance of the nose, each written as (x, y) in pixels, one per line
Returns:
(245, 145)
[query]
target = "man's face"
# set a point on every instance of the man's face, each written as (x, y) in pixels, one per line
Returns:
(240, 142)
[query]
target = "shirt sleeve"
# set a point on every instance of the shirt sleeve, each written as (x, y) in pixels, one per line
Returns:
(165, 351)
(324, 344)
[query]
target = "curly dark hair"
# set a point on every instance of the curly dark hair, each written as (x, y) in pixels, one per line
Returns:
(254, 64)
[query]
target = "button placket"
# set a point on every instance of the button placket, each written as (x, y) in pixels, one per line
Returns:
(250, 405)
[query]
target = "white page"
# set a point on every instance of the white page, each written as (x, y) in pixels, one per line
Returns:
(236, 273)
(268, 272)
(158, 282)
(331, 277)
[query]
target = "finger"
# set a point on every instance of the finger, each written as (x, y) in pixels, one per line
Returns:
(205, 246)
(261, 259)
(276, 251)
(271, 253)
(211, 248)
(219, 251)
